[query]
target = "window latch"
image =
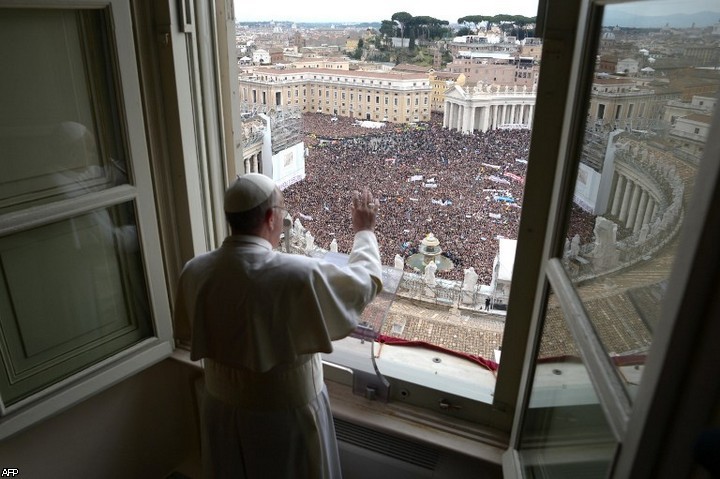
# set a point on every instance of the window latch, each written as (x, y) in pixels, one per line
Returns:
(371, 386)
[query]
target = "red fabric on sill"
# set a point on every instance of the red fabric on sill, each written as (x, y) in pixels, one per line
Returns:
(486, 363)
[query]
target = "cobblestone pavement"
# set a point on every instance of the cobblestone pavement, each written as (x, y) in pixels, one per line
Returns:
(459, 330)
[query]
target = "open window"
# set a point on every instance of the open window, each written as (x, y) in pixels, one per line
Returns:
(78, 231)
(608, 340)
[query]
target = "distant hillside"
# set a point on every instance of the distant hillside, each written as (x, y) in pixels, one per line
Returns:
(614, 17)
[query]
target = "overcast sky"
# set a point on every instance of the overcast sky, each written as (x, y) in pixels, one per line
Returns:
(377, 10)
(374, 10)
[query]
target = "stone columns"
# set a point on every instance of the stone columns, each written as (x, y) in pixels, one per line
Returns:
(627, 193)
(648, 211)
(470, 120)
(485, 118)
(617, 198)
(634, 202)
(637, 224)
(531, 115)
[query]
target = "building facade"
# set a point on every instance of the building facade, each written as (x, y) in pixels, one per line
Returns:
(484, 108)
(620, 103)
(440, 83)
(496, 68)
(393, 97)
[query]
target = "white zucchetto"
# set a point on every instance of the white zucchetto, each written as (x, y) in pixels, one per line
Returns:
(247, 192)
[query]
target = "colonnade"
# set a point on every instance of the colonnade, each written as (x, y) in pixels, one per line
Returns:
(632, 204)
(484, 110)
(252, 163)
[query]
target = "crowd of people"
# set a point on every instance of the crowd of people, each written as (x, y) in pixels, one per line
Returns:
(465, 189)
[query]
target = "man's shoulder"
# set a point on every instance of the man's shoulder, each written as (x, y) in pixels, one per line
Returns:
(296, 261)
(200, 262)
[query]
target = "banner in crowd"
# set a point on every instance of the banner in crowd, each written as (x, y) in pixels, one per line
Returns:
(497, 179)
(289, 166)
(515, 177)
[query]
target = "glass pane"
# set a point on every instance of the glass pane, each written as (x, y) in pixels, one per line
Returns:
(71, 294)
(448, 169)
(59, 131)
(647, 121)
(565, 433)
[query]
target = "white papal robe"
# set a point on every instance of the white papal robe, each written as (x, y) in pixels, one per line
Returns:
(260, 318)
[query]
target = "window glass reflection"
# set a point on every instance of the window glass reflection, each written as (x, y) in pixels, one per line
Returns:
(71, 294)
(60, 135)
(652, 96)
(565, 433)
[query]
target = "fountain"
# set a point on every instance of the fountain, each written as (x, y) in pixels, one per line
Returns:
(429, 251)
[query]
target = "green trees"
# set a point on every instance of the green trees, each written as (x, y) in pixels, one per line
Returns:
(423, 29)
(517, 25)
(414, 28)
(357, 53)
(476, 20)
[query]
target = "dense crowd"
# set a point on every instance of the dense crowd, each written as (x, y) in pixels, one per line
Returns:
(465, 189)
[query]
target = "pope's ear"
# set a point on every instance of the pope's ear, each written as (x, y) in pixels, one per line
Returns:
(270, 214)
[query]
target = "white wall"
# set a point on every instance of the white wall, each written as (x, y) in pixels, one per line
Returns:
(143, 427)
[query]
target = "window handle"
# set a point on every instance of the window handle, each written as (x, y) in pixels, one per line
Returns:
(186, 9)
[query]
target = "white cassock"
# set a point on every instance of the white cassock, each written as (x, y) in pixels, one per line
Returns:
(260, 319)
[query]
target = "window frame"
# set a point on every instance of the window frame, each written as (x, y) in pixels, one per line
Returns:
(133, 359)
(654, 431)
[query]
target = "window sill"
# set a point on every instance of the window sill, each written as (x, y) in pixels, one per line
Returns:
(402, 420)
(418, 424)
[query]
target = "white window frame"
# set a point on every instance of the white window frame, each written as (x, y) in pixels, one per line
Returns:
(653, 430)
(129, 361)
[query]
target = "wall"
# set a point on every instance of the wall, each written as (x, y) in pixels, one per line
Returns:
(143, 427)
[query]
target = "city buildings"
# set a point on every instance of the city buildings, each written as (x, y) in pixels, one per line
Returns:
(496, 67)
(365, 95)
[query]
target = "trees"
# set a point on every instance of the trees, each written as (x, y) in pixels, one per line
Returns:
(513, 24)
(476, 20)
(433, 27)
(463, 32)
(415, 27)
(387, 28)
(402, 19)
(357, 54)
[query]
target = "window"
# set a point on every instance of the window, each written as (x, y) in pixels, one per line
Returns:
(533, 252)
(611, 356)
(78, 228)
